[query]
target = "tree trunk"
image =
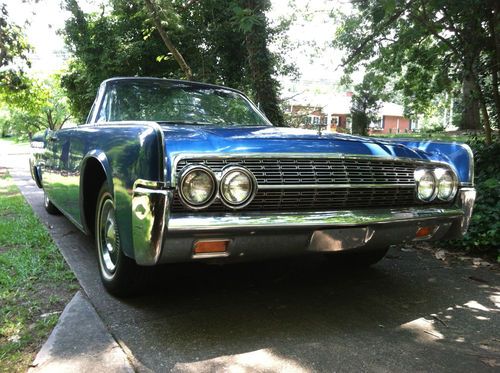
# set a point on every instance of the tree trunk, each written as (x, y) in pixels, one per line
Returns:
(484, 111)
(260, 63)
(470, 116)
(168, 43)
(495, 59)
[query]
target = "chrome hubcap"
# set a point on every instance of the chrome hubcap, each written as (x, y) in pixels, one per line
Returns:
(108, 237)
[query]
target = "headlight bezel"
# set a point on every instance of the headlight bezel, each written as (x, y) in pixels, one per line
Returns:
(182, 179)
(418, 175)
(226, 172)
(439, 173)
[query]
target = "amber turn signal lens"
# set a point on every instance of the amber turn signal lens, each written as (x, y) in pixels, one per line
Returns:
(424, 232)
(204, 247)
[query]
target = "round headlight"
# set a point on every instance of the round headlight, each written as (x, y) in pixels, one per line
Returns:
(426, 185)
(237, 187)
(197, 186)
(446, 184)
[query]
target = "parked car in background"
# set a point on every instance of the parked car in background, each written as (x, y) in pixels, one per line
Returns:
(168, 171)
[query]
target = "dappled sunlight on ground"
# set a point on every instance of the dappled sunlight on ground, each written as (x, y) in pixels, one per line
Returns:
(264, 360)
(471, 326)
(424, 329)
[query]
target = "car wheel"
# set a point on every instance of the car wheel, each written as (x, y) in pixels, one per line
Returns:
(49, 206)
(356, 258)
(119, 273)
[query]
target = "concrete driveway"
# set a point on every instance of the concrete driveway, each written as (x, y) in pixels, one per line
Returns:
(411, 312)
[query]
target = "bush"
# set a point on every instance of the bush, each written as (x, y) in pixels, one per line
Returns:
(484, 230)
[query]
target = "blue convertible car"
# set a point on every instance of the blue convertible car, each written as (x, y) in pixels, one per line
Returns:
(169, 171)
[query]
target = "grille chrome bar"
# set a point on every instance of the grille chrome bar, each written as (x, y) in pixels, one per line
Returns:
(334, 186)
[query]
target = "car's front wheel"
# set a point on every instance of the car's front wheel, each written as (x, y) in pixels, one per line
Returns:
(356, 258)
(119, 273)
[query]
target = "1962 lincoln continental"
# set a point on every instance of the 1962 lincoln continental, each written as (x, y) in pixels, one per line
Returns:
(169, 171)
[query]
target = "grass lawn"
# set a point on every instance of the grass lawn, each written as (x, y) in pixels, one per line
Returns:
(35, 282)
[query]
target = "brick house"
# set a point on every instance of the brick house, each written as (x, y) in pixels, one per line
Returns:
(392, 120)
(334, 113)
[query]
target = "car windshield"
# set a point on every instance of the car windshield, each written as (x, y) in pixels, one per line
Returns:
(178, 103)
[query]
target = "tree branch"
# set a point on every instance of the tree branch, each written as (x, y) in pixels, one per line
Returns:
(432, 29)
(361, 47)
(168, 43)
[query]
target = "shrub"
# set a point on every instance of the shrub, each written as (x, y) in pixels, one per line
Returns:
(484, 231)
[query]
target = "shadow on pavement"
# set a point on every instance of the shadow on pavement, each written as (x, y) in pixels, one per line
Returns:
(298, 313)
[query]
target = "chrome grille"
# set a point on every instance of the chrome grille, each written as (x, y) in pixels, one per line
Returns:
(319, 199)
(392, 181)
(296, 171)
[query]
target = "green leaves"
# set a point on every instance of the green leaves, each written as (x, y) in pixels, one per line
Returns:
(429, 48)
(484, 230)
(39, 105)
(246, 19)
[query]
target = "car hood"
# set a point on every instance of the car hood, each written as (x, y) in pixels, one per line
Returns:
(223, 140)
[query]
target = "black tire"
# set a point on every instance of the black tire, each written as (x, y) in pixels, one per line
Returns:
(120, 274)
(49, 206)
(356, 258)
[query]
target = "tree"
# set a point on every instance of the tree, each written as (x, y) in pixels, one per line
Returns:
(13, 52)
(251, 19)
(429, 47)
(41, 105)
(366, 102)
(122, 41)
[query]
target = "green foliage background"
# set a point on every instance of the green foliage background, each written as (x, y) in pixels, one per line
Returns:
(484, 230)
(212, 35)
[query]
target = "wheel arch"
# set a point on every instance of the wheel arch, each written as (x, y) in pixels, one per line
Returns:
(95, 170)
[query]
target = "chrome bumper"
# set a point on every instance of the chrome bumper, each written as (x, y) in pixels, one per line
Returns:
(238, 222)
(163, 237)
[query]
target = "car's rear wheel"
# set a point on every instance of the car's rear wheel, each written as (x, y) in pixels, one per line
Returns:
(356, 258)
(119, 273)
(49, 206)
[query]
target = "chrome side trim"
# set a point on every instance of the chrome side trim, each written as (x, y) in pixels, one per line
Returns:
(185, 223)
(333, 186)
(149, 184)
(162, 162)
(177, 158)
(471, 165)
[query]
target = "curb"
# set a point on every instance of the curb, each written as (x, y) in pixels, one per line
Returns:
(80, 342)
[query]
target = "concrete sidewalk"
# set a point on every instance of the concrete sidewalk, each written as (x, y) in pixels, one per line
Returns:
(80, 342)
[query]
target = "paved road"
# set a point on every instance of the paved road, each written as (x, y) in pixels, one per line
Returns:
(411, 312)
